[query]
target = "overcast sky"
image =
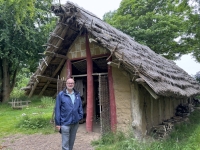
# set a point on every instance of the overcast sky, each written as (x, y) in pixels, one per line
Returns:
(100, 7)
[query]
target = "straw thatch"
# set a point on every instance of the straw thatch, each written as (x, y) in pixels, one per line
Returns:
(163, 76)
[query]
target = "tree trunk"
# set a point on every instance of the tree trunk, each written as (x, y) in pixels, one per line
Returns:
(5, 81)
(1, 80)
(13, 80)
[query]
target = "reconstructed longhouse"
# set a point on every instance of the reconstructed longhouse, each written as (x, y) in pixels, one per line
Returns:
(123, 84)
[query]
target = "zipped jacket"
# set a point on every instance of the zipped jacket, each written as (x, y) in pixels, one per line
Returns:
(66, 112)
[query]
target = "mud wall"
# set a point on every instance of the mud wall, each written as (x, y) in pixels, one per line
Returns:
(63, 73)
(148, 112)
(122, 93)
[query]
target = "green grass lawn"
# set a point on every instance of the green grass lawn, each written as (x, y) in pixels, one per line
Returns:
(32, 119)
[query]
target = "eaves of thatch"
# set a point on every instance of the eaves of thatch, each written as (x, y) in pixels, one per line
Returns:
(144, 66)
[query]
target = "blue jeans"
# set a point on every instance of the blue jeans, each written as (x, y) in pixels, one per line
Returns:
(68, 136)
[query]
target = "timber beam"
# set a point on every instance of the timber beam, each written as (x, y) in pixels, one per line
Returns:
(113, 64)
(41, 72)
(45, 77)
(52, 54)
(55, 72)
(147, 87)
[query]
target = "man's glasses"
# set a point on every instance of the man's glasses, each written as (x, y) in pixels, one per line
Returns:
(70, 83)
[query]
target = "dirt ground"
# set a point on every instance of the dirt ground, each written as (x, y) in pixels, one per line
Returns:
(49, 142)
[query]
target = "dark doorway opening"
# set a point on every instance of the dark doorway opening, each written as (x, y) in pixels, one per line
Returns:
(79, 73)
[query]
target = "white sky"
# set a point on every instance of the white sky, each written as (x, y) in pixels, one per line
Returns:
(100, 7)
(188, 63)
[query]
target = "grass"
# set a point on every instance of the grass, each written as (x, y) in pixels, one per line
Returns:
(32, 119)
(185, 136)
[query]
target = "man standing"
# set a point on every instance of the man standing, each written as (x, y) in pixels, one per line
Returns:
(68, 112)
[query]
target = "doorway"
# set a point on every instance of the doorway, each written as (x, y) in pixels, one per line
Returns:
(101, 106)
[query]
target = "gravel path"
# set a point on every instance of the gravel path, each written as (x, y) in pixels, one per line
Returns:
(47, 142)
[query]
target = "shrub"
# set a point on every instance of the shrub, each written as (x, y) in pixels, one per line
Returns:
(33, 123)
(46, 102)
(21, 81)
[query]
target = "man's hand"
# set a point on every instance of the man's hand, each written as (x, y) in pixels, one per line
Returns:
(57, 128)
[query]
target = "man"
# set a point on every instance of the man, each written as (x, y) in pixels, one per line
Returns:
(68, 112)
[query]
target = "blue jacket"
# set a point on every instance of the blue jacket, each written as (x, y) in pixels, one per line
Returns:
(66, 112)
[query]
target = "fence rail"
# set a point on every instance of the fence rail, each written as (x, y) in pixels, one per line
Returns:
(19, 104)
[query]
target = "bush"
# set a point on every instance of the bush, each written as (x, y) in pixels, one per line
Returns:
(46, 102)
(21, 82)
(33, 123)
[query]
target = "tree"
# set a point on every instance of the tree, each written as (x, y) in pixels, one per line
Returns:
(197, 76)
(162, 25)
(194, 29)
(23, 28)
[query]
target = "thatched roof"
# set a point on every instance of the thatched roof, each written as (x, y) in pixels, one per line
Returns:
(163, 76)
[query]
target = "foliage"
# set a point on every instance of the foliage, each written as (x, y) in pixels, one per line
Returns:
(33, 123)
(195, 30)
(197, 76)
(24, 28)
(21, 81)
(47, 101)
(185, 136)
(161, 25)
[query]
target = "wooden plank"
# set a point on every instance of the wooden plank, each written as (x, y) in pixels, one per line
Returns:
(35, 83)
(18, 104)
(84, 75)
(144, 84)
(52, 54)
(48, 78)
(32, 90)
(153, 94)
(19, 107)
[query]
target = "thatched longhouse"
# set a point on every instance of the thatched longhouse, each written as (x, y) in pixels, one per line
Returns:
(122, 82)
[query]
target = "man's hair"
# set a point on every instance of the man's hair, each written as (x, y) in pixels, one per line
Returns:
(70, 78)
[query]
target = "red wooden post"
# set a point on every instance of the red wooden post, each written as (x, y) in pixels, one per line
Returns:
(113, 116)
(69, 68)
(90, 87)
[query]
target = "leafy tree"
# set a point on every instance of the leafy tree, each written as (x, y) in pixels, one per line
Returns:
(160, 24)
(24, 26)
(197, 76)
(194, 29)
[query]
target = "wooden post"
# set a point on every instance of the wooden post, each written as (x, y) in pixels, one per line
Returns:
(90, 87)
(152, 110)
(69, 68)
(113, 116)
